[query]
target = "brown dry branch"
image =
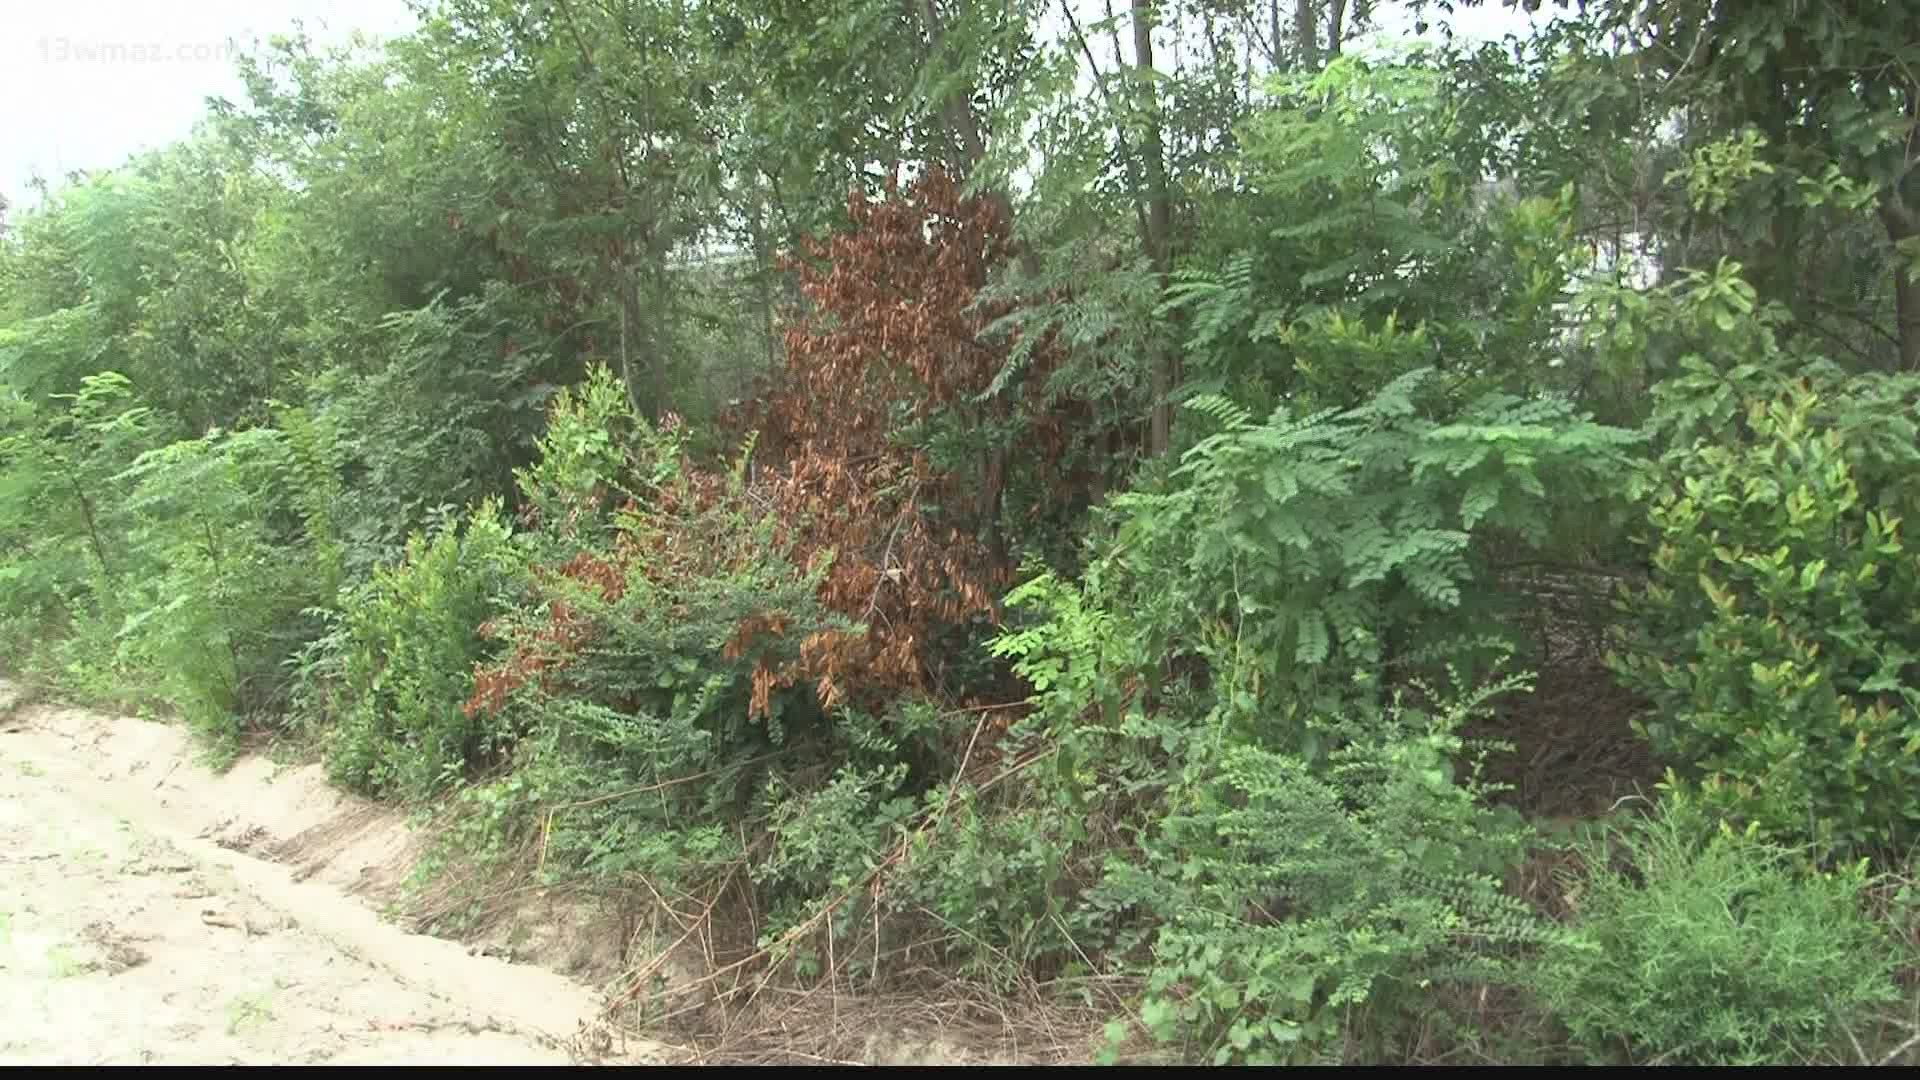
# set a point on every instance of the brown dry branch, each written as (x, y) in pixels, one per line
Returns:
(892, 334)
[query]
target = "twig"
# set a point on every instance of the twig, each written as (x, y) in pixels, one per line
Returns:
(1858, 1050)
(894, 857)
(1912, 1041)
(1128, 160)
(663, 905)
(1624, 799)
(546, 827)
(886, 556)
(963, 710)
(647, 971)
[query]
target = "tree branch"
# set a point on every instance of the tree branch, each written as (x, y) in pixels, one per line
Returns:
(1130, 163)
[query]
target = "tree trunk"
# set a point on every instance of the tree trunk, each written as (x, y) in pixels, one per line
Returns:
(1306, 37)
(1158, 223)
(657, 347)
(638, 362)
(1273, 28)
(965, 128)
(1906, 298)
(93, 530)
(763, 270)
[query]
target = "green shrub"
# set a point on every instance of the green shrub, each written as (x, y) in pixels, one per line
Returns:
(223, 578)
(596, 451)
(825, 843)
(63, 530)
(1309, 554)
(1228, 689)
(1707, 948)
(637, 670)
(428, 410)
(1778, 638)
(407, 651)
(1295, 900)
(996, 875)
(1295, 568)
(186, 572)
(623, 700)
(606, 797)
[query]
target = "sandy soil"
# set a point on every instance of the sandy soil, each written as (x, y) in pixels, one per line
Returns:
(152, 912)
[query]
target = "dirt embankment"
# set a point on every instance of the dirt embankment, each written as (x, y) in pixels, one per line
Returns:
(153, 912)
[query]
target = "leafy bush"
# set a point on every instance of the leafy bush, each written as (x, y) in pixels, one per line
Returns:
(1778, 638)
(644, 671)
(1293, 899)
(434, 415)
(1698, 946)
(595, 451)
(409, 643)
(631, 675)
(997, 878)
(1308, 556)
(608, 796)
(186, 571)
(1363, 219)
(827, 842)
(60, 513)
(1229, 688)
(227, 577)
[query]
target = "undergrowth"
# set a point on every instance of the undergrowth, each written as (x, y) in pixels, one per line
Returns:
(1692, 943)
(1087, 591)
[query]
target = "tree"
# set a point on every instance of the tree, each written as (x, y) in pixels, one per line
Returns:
(1801, 125)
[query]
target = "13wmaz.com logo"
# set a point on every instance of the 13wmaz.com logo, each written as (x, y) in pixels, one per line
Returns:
(65, 50)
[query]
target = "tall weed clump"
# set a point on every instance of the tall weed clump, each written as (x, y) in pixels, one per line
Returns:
(1692, 943)
(1309, 910)
(408, 641)
(233, 560)
(63, 526)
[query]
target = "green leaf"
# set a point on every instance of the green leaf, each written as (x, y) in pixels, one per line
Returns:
(1810, 574)
(1314, 645)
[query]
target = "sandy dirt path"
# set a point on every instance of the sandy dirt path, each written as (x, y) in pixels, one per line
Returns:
(132, 933)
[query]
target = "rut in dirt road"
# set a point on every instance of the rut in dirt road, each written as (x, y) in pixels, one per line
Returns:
(126, 937)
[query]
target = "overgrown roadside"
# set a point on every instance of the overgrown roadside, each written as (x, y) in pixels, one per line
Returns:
(1363, 555)
(159, 912)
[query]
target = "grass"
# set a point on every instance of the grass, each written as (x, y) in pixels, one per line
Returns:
(62, 964)
(248, 1010)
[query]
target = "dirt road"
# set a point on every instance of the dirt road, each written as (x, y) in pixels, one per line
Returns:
(141, 925)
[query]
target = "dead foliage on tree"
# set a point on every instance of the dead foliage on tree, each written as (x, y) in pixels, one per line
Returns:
(890, 340)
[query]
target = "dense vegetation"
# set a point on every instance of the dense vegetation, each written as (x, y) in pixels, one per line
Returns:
(1192, 506)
